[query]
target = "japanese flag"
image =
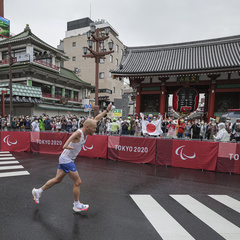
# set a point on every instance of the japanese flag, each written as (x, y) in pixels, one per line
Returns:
(152, 128)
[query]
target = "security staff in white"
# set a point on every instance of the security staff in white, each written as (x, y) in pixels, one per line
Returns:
(222, 135)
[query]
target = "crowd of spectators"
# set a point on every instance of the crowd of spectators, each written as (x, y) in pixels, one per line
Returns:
(171, 128)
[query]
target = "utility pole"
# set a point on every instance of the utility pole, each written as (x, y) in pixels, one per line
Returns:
(11, 59)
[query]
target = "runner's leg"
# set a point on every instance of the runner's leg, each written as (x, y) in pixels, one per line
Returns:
(77, 182)
(57, 179)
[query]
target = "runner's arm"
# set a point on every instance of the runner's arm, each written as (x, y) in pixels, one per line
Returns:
(76, 134)
(101, 115)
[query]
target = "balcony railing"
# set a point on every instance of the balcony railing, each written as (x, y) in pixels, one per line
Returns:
(46, 64)
(6, 61)
(49, 95)
(41, 62)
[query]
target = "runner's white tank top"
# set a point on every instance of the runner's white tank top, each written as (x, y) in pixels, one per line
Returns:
(70, 155)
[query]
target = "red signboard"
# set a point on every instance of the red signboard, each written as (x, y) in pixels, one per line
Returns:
(185, 100)
(95, 147)
(229, 158)
(15, 141)
(47, 142)
(164, 152)
(195, 154)
(132, 149)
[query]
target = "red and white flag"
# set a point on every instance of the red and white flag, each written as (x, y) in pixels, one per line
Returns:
(152, 128)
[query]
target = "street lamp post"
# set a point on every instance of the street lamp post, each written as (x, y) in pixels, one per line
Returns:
(98, 37)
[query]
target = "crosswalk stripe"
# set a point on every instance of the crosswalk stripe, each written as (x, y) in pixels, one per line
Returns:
(8, 162)
(11, 167)
(5, 152)
(11, 174)
(6, 158)
(166, 226)
(219, 224)
(5, 155)
(228, 201)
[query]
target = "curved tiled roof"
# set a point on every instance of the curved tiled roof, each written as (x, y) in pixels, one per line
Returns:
(214, 54)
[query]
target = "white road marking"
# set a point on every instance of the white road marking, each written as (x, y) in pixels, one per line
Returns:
(8, 162)
(11, 167)
(228, 201)
(5, 152)
(5, 155)
(7, 158)
(11, 174)
(166, 226)
(219, 224)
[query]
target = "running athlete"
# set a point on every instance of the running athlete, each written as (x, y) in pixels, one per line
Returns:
(66, 165)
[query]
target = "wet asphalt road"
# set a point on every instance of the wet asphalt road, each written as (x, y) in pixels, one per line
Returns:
(106, 187)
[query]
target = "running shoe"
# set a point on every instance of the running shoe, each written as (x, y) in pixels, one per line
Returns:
(36, 195)
(81, 207)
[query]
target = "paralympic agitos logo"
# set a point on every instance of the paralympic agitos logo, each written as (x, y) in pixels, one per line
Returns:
(85, 148)
(183, 156)
(8, 142)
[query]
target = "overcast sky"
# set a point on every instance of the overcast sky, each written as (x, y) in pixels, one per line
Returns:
(138, 22)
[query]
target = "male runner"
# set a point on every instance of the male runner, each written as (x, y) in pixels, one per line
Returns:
(66, 165)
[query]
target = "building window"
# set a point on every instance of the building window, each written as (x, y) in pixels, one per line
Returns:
(121, 52)
(74, 44)
(58, 91)
(101, 75)
(74, 58)
(113, 89)
(110, 74)
(102, 60)
(116, 62)
(67, 93)
(121, 92)
(111, 58)
(117, 48)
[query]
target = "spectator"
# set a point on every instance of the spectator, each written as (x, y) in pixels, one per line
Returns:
(222, 135)
(132, 126)
(41, 123)
(69, 126)
(213, 128)
(138, 128)
(35, 125)
(47, 123)
(74, 125)
(202, 130)
(58, 125)
(181, 127)
(114, 127)
(28, 123)
(171, 129)
(102, 126)
(164, 127)
(125, 126)
(64, 123)
(187, 130)
(196, 129)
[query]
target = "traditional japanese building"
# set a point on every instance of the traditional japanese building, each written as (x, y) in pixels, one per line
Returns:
(40, 83)
(210, 67)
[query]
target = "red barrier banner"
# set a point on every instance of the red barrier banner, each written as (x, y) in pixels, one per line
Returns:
(164, 152)
(48, 142)
(132, 149)
(95, 147)
(15, 141)
(195, 154)
(228, 158)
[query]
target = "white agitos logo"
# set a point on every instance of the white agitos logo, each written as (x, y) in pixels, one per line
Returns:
(179, 152)
(86, 148)
(7, 141)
